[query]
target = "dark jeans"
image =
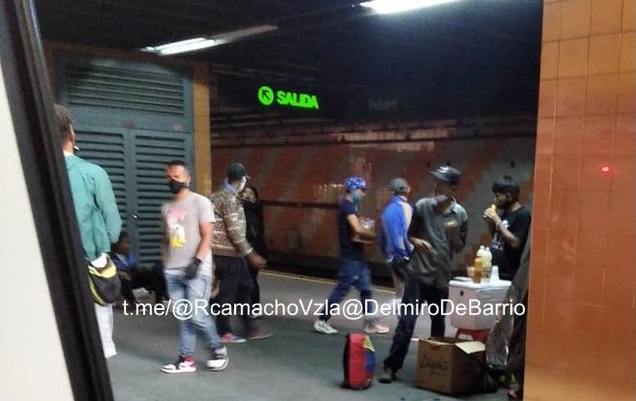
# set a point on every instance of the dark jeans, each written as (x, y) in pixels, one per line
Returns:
(235, 287)
(517, 356)
(350, 273)
(256, 291)
(415, 294)
(152, 280)
(399, 267)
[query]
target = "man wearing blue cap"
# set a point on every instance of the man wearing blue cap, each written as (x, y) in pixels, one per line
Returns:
(353, 270)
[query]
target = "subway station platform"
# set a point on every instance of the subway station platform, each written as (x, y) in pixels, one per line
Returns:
(294, 364)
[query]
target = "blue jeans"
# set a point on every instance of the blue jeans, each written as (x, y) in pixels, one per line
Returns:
(350, 273)
(197, 293)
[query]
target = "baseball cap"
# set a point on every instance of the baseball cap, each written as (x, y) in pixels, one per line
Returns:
(237, 171)
(353, 183)
(398, 185)
(448, 174)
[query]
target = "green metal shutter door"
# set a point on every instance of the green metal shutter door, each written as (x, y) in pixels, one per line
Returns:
(121, 86)
(152, 153)
(107, 151)
(149, 111)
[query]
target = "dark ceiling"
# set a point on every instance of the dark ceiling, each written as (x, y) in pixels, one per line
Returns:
(470, 56)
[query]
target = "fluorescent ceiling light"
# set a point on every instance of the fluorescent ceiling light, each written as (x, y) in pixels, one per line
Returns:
(397, 6)
(181, 46)
(199, 43)
(243, 33)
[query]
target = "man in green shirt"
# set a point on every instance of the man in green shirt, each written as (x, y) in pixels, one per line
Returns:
(97, 215)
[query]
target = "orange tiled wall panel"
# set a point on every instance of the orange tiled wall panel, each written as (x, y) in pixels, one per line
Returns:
(314, 174)
(580, 343)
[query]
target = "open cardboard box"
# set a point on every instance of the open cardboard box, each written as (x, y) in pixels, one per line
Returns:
(369, 225)
(356, 238)
(449, 365)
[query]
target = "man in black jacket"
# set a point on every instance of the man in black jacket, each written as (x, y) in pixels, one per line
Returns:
(255, 234)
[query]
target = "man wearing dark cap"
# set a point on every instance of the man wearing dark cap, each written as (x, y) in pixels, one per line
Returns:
(394, 239)
(438, 231)
(231, 250)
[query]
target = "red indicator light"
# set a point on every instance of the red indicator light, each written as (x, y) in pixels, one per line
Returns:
(605, 168)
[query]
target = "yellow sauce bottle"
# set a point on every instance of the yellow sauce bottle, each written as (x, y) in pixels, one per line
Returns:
(478, 270)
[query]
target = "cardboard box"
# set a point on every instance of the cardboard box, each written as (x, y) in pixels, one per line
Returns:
(369, 225)
(449, 365)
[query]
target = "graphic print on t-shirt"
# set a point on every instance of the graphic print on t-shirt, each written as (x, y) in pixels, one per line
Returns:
(497, 240)
(175, 217)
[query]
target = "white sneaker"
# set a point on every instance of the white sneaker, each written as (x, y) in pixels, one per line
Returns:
(182, 365)
(375, 328)
(323, 327)
(218, 359)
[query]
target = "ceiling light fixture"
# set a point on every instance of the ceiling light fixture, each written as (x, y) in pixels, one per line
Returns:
(397, 6)
(201, 42)
(232, 36)
(181, 46)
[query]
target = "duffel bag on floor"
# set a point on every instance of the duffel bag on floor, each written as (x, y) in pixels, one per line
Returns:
(358, 361)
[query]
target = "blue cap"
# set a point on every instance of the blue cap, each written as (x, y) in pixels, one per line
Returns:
(353, 183)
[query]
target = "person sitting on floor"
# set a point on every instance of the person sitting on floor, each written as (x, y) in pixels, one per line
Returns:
(131, 275)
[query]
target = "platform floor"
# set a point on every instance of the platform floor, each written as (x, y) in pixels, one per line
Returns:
(295, 364)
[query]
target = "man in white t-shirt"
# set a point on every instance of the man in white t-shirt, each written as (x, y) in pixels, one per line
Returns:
(188, 223)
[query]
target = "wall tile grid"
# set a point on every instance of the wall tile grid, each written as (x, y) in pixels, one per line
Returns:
(582, 308)
(314, 174)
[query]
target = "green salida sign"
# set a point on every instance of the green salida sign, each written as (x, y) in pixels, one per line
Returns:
(268, 96)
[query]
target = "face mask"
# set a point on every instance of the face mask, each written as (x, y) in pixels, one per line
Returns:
(441, 198)
(242, 184)
(355, 196)
(176, 186)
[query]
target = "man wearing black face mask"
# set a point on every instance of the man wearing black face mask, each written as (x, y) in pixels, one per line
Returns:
(509, 227)
(188, 223)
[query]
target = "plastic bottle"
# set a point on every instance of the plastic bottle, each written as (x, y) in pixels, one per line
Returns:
(478, 270)
(487, 257)
(486, 261)
(481, 253)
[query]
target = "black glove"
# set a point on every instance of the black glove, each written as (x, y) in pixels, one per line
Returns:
(192, 269)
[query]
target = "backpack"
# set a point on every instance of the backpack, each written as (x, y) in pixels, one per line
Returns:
(358, 362)
(104, 282)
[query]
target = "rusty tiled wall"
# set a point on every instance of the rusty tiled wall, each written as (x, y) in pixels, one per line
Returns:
(314, 174)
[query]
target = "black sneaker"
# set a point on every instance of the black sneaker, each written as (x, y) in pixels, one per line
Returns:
(182, 365)
(259, 334)
(218, 359)
(388, 376)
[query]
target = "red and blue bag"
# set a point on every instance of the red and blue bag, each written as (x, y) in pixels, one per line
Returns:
(358, 361)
